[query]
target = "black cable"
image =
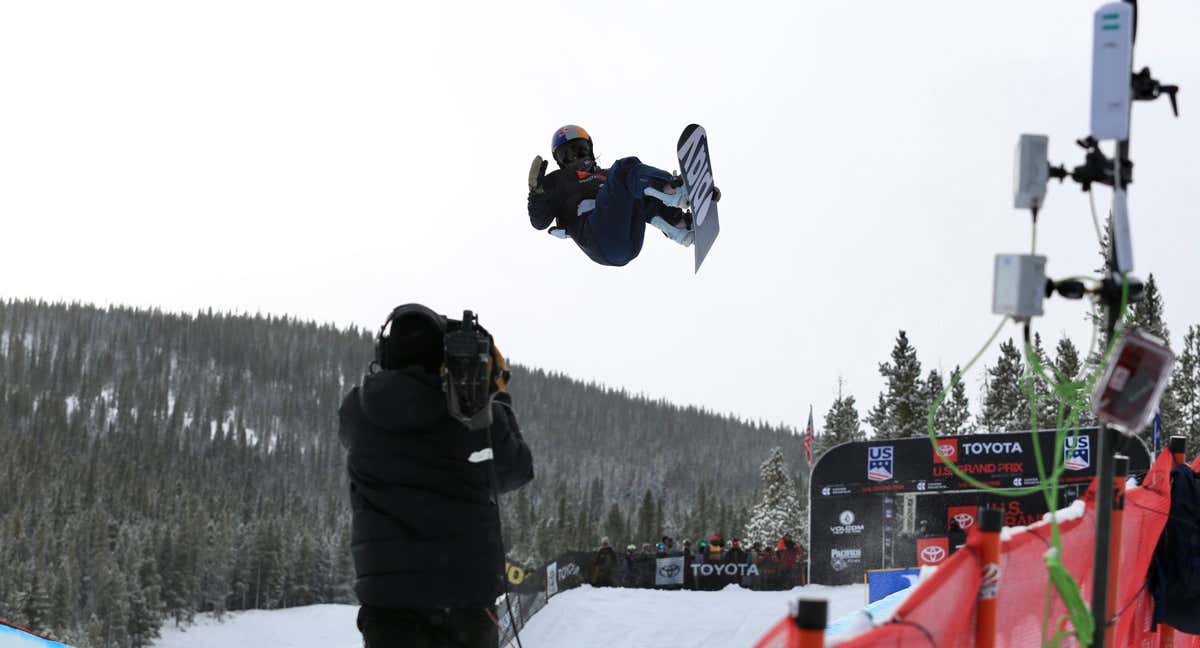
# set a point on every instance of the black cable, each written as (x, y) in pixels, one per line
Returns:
(494, 479)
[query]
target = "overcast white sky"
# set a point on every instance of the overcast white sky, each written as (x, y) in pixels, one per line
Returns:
(330, 160)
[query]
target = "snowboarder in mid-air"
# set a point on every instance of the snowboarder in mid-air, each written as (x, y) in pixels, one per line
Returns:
(605, 211)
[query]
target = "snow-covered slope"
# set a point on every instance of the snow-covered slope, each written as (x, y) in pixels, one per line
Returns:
(636, 618)
(314, 626)
(581, 618)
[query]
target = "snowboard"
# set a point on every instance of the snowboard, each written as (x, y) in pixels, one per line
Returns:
(696, 169)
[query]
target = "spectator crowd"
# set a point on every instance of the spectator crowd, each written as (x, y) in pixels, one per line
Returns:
(708, 565)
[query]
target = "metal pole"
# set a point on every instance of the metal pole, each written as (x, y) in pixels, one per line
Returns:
(1107, 436)
(1104, 504)
(1117, 486)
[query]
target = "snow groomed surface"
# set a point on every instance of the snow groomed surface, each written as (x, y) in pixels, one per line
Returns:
(589, 617)
(580, 618)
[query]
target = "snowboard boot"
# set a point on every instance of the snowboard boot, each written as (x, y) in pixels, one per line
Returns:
(671, 195)
(680, 235)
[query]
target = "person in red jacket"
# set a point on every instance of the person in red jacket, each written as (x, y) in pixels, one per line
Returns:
(789, 558)
(768, 568)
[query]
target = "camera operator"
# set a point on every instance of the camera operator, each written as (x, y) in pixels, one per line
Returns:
(426, 537)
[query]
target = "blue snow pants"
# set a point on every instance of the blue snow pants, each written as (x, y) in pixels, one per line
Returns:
(617, 225)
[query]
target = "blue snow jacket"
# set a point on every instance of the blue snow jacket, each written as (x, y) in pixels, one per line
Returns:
(605, 213)
(425, 530)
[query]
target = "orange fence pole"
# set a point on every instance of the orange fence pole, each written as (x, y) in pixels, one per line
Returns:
(1120, 475)
(990, 521)
(810, 618)
(1178, 448)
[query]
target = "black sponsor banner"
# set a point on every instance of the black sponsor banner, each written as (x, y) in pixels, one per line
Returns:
(574, 569)
(853, 480)
(522, 578)
(999, 460)
(845, 537)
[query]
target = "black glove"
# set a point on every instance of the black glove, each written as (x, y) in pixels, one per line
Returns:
(537, 173)
(500, 373)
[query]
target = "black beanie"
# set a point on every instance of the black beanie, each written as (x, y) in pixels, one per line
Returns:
(412, 339)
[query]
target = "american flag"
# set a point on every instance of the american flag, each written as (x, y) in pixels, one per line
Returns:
(808, 438)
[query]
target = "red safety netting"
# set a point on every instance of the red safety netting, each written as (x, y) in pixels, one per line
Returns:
(941, 612)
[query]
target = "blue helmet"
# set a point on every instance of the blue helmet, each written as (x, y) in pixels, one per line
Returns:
(566, 134)
(562, 153)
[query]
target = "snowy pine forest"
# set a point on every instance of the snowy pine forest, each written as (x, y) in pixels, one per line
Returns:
(160, 465)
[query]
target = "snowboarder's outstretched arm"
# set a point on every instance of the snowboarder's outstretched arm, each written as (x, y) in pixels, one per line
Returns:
(540, 212)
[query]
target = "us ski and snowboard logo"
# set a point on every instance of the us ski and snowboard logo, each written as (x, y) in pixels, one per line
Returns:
(1078, 452)
(880, 463)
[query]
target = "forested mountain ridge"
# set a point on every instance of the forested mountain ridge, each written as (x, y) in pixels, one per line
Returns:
(160, 463)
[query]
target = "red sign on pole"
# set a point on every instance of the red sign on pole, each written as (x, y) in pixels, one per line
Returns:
(932, 551)
(963, 515)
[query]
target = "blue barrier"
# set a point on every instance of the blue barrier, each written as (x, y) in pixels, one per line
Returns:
(884, 582)
(17, 638)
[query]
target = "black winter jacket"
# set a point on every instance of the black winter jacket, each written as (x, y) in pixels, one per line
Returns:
(563, 191)
(425, 529)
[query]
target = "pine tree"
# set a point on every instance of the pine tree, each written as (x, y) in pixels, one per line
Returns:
(1068, 368)
(779, 509)
(563, 533)
(143, 619)
(900, 412)
(933, 390)
(614, 526)
(1002, 400)
(1046, 399)
(1185, 390)
(954, 416)
(1149, 316)
(596, 499)
(36, 609)
(841, 424)
(645, 518)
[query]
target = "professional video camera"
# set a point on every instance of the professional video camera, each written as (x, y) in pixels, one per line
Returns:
(471, 370)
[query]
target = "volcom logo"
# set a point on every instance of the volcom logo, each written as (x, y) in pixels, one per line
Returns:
(1077, 452)
(698, 173)
(933, 554)
(847, 525)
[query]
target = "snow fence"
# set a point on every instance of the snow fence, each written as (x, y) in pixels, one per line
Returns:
(941, 610)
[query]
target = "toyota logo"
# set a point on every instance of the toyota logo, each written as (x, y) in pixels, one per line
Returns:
(669, 571)
(964, 520)
(934, 554)
(946, 450)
